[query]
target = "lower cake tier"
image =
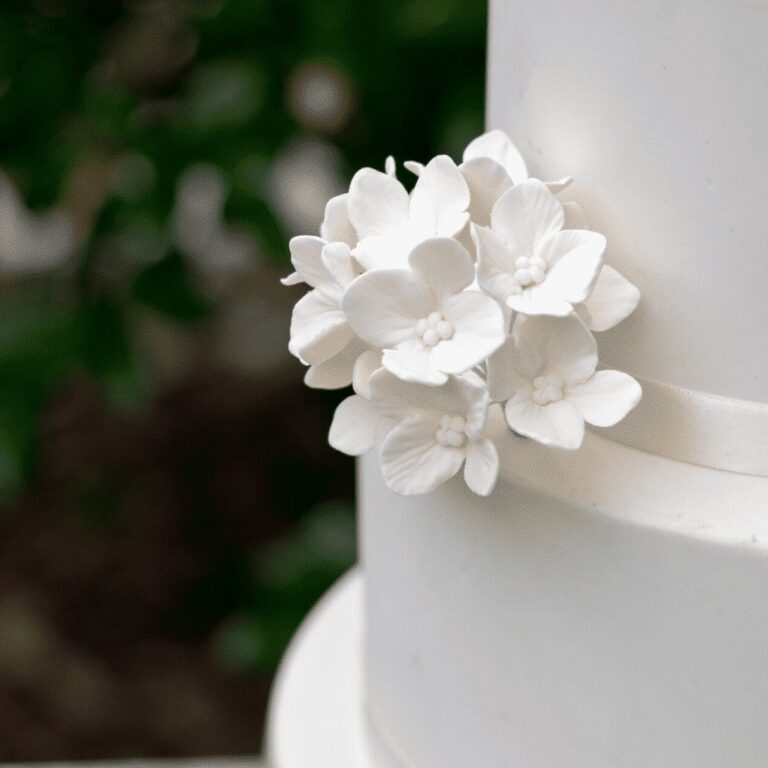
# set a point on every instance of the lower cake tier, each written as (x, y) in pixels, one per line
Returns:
(605, 608)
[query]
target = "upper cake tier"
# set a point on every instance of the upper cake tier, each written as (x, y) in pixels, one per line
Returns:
(659, 109)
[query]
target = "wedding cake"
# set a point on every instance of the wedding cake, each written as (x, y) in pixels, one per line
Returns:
(603, 607)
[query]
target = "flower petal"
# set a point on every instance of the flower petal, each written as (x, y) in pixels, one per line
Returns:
(390, 166)
(575, 218)
(444, 264)
(336, 226)
(306, 258)
(487, 182)
(337, 371)
(478, 331)
(384, 306)
(414, 167)
(365, 366)
(605, 398)
(440, 199)
(536, 301)
(566, 347)
(499, 147)
(574, 257)
(319, 330)
(495, 264)
(613, 298)
(464, 396)
(526, 215)
(339, 263)
(502, 377)
(556, 187)
(413, 362)
(354, 425)
(293, 279)
(482, 466)
(377, 203)
(412, 462)
(559, 425)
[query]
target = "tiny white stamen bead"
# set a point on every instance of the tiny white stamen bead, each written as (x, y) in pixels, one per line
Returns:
(522, 262)
(433, 319)
(444, 329)
(537, 261)
(523, 276)
(456, 439)
(445, 421)
(430, 337)
(421, 326)
(537, 275)
(457, 423)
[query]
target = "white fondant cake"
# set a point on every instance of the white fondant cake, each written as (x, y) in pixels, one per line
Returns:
(607, 607)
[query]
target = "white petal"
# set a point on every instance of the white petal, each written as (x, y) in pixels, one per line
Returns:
(293, 279)
(465, 396)
(556, 187)
(318, 328)
(487, 182)
(411, 460)
(605, 398)
(526, 215)
(498, 146)
(384, 306)
(388, 251)
(377, 203)
(559, 425)
(306, 258)
(390, 166)
(495, 264)
(575, 257)
(613, 298)
(339, 263)
(537, 301)
(575, 218)
(564, 346)
(444, 265)
(478, 331)
(354, 425)
(482, 467)
(413, 362)
(502, 377)
(336, 226)
(440, 198)
(337, 371)
(415, 168)
(365, 366)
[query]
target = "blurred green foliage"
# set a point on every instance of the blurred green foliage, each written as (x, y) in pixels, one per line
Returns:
(105, 105)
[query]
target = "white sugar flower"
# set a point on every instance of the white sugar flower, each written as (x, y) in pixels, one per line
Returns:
(437, 429)
(390, 222)
(319, 330)
(547, 377)
(529, 261)
(428, 325)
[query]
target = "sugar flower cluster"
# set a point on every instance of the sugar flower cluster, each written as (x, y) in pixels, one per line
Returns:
(478, 287)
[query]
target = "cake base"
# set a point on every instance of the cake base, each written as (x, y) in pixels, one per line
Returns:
(316, 715)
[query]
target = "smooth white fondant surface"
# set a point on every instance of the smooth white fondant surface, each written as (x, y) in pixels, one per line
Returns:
(316, 714)
(659, 111)
(605, 608)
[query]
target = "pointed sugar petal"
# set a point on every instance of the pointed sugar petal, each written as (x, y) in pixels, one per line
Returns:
(412, 462)
(482, 467)
(559, 425)
(495, 264)
(440, 199)
(384, 306)
(336, 226)
(340, 264)
(575, 257)
(487, 182)
(377, 203)
(444, 265)
(318, 328)
(337, 371)
(613, 298)
(605, 398)
(526, 215)
(499, 147)
(354, 426)
(306, 258)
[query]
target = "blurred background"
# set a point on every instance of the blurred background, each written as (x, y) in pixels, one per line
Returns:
(170, 508)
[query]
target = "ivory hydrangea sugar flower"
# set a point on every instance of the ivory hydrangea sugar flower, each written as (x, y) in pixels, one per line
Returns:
(548, 377)
(428, 325)
(478, 289)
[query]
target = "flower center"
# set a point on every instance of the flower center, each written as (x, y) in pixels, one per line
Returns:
(452, 432)
(433, 329)
(529, 271)
(547, 389)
